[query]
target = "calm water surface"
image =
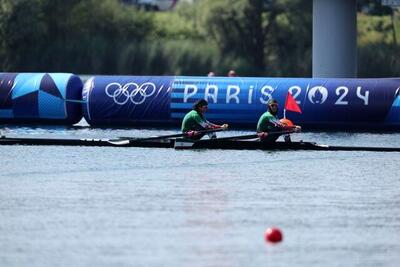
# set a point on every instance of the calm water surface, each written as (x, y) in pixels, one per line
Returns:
(94, 206)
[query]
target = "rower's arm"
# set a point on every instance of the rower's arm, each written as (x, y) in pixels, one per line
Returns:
(273, 125)
(216, 126)
(202, 122)
(295, 128)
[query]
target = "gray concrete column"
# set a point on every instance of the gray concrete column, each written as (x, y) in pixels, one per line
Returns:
(334, 38)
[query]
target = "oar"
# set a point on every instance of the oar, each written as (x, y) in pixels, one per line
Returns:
(358, 148)
(249, 136)
(169, 136)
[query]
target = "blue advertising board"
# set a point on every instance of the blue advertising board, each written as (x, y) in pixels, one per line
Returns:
(40, 98)
(164, 100)
(127, 100)
(160, 100)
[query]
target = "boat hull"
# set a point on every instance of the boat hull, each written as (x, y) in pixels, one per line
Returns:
(225, 144)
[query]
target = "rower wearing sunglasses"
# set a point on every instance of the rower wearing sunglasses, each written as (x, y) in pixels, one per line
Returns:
(269, 127)
(195, 123)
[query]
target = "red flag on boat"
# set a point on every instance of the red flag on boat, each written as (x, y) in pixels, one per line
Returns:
(291, 104)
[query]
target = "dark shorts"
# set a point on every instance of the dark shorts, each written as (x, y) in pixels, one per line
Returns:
(196, 137)
(271, 138)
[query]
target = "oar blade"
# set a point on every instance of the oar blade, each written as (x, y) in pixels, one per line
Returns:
(117, 142)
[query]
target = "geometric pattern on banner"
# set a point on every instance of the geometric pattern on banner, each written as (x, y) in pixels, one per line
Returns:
(48, 85)
(62, 82)
(6, 84)
(26, 106)
(51, 106)
(26, 83)
(393, 115)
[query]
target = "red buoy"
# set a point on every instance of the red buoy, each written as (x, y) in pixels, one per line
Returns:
(286, 122)
(273, 235)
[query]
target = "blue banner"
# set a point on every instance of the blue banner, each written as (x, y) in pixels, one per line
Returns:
(127, 100)
(155, 101)
(322, 101)
(40, 98)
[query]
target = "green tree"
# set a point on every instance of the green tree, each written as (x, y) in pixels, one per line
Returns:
(76, 35)
(254, 37)
(252, 31)
(378, 51)
(5, 13)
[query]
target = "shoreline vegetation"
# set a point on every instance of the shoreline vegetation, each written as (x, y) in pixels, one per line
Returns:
(254, 37)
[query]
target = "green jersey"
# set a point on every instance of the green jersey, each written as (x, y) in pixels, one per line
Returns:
(267, 122)
(193, 121)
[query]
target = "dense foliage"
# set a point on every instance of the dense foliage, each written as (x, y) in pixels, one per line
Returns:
(254, 37)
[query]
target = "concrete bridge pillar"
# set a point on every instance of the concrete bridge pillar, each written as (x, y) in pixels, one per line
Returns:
(334, 39)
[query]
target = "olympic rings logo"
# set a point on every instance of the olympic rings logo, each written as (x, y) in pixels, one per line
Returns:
(137, 94)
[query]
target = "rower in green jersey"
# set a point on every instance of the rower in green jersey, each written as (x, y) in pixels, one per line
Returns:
(269, 122)
(195, 121)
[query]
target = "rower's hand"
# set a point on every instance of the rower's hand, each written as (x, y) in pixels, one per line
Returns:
(262, 135)
(280, 125)
(191, 133)
(297, 129)
(224, 126)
